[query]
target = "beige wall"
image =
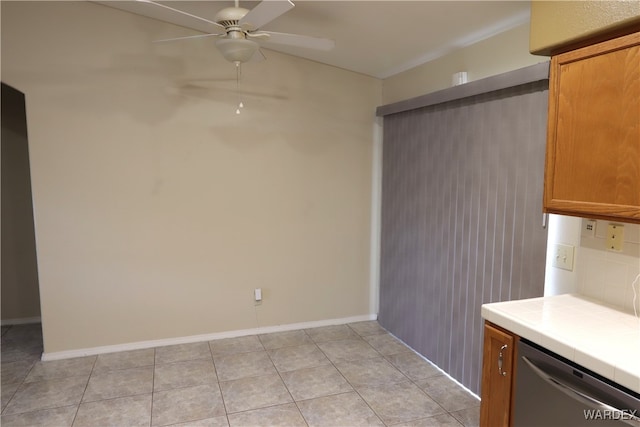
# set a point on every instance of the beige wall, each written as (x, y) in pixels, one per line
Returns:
(158, 209)
(504, 52)
(558, 23)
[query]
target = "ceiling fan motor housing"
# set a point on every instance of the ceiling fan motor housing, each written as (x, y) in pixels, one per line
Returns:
(234, 47)
(229, 16)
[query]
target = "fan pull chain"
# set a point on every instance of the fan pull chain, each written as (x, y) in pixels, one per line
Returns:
(240, 104)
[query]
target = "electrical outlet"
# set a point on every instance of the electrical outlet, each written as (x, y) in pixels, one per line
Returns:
(615, 237)
(588, 228)
(257, 294)
(563, 257)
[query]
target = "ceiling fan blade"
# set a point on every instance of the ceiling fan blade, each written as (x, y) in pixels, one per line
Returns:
(299, 40)
(258, 56)
(265, 12)
(260, 35)
(215, 24)
(198, 36)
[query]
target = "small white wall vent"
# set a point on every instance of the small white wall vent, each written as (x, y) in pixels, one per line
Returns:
(459, 78)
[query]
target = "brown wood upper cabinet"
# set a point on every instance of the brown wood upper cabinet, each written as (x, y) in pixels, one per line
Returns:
(498, 375)
(593, 137)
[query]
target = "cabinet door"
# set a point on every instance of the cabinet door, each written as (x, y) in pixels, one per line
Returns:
(497, 377)
(593, 136)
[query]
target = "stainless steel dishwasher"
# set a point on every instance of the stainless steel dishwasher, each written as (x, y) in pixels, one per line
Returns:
(552, 391)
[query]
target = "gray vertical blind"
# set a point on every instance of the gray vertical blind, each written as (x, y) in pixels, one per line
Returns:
(461, 219)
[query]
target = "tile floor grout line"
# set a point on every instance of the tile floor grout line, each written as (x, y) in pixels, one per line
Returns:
(111, 398)
(430, 397)
(153, 385)
(351, 385)
(407, 378)
(327, 395)
(353, 389)
(85, 390)
(463, 414)
(19, 384)
(439, 374)
(10, 399)
(414, 381)
(385, 384)
(224, 404)
(6, 329)
(177, 361)
(285, 384)
(22, 383)
(450, 413)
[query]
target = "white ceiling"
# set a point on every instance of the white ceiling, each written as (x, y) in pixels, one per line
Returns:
(377, 38)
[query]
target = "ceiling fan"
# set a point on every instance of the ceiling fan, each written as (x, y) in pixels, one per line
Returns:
(237, 28)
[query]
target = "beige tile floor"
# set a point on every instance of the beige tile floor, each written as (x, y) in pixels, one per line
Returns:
(344, 375)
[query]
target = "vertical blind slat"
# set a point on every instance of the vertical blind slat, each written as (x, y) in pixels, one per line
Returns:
(461, 202)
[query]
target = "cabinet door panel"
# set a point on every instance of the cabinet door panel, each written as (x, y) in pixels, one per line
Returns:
(593, 152)
(497, 377)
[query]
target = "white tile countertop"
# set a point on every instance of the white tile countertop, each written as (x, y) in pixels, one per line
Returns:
(599, 337)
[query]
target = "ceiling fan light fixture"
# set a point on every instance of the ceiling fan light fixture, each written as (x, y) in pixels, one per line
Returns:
(237, 50)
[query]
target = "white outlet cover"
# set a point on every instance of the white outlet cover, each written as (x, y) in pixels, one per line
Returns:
(588, 227)
(615, 237)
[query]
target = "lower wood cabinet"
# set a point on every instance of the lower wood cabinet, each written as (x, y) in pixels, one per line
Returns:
(498, 376)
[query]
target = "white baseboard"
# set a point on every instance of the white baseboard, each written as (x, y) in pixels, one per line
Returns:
(20, 321)
(57, 355)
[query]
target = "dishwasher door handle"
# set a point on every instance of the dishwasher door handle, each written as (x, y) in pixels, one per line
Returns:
(625, 416)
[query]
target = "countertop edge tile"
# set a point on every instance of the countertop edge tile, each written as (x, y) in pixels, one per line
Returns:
(575, 340)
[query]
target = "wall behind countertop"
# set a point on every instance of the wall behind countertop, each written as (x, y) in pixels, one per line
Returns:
(598, 273)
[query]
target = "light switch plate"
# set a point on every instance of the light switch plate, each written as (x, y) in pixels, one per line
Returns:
(563, 256)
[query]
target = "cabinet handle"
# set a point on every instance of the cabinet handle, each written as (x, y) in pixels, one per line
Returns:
(500, 360)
